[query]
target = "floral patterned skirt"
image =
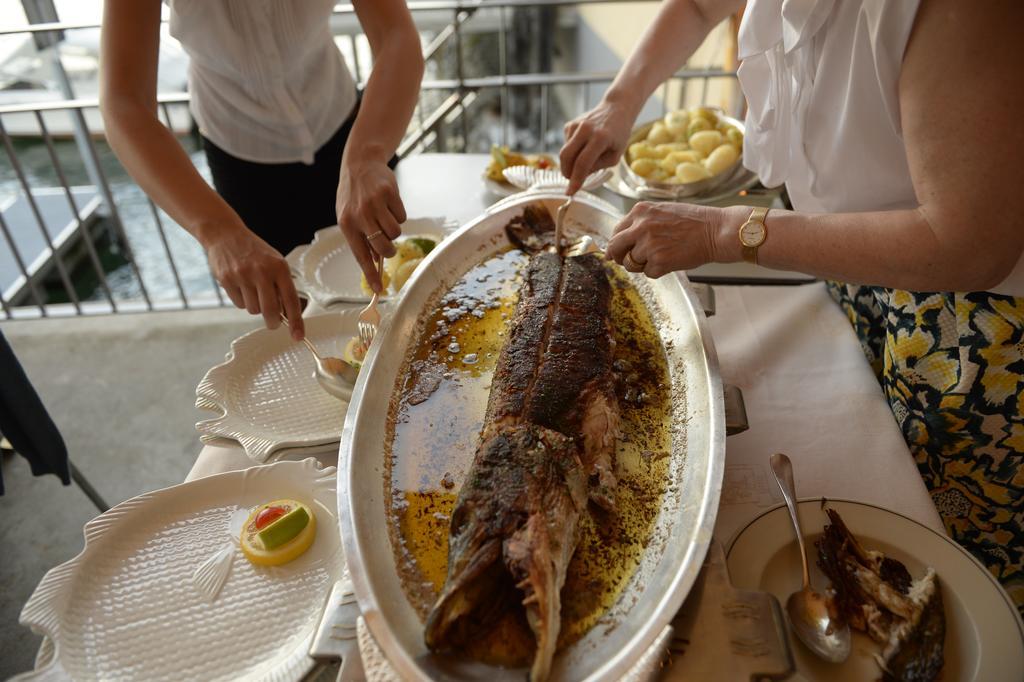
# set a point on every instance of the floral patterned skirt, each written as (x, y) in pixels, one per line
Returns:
(952, 368)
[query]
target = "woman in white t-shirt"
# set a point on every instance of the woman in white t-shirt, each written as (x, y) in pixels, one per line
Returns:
(291, 145)
(894, 125)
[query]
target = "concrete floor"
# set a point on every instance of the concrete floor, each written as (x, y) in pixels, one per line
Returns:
(121, 389)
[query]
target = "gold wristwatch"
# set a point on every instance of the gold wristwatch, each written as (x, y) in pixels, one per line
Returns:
(753, 233)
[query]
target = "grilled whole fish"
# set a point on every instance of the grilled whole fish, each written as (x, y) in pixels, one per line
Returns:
(546, 447)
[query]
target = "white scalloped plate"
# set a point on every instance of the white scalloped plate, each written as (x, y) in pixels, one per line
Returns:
(498, 190)
(276, 455)
(326, 272)
(127, 606)
(266, 393)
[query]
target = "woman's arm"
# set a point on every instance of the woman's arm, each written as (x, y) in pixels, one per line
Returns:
(368, 200)
(253, 274)
(597, 138)
(959, 109)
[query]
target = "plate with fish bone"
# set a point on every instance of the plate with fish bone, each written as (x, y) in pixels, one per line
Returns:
(984, 639)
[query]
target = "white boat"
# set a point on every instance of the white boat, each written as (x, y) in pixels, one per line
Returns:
(31, 76)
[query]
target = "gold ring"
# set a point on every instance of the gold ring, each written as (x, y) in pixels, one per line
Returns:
(631, 263)
(374, 235)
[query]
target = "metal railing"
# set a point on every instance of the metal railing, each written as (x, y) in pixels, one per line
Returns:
(441, 123)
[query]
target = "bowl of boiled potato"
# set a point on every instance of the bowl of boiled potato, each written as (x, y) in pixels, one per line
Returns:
(685, 153)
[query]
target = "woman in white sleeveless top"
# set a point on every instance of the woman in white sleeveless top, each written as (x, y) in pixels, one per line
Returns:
(290, 146)
(894, 125)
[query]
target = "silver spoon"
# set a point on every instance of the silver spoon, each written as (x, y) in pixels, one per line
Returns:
(334, 375)
(807, 609)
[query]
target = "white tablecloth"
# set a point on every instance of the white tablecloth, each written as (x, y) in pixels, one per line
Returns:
(809, 391)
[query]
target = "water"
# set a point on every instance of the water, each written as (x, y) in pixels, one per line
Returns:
(136, 216)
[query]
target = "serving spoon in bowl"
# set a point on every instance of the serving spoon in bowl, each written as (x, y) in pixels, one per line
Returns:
(807, 609)
(334, 375)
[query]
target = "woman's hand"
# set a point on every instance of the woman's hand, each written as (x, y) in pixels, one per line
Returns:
(370, 213)
(659, 238)
(594, 141)
(256, 277)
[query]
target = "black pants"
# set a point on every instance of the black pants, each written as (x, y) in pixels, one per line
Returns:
(284, 203)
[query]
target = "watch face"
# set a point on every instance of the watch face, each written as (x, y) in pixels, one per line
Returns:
(752, 234)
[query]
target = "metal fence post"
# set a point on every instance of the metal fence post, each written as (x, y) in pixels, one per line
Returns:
(69, 288)
(213, 280)
(29, 282)
(115, 216)
(73, 205)
(460, 74)
(503, 72)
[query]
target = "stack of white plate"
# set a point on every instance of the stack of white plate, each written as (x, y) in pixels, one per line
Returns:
(530, 178)
(265, 393)
(266, 396)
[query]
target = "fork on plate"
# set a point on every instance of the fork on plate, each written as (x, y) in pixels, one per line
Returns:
(369, 318)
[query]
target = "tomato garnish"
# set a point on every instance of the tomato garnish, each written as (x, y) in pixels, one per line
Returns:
(268, 516)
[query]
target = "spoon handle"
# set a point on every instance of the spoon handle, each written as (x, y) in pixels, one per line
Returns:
(309, 344)
(312, 348)
(783, 470)
(559, 221)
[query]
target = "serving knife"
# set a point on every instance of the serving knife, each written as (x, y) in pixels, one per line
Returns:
(735, 634)
(335, 637)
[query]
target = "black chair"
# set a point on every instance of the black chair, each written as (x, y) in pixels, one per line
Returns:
(28, 428)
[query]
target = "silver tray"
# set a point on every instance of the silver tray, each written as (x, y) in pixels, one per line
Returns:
(741, 179)
(682, 531)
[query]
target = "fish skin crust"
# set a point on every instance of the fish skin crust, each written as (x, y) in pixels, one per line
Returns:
(514, 528)
(547, 446)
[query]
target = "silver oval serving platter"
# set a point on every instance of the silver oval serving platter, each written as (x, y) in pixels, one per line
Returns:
(683, 527)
